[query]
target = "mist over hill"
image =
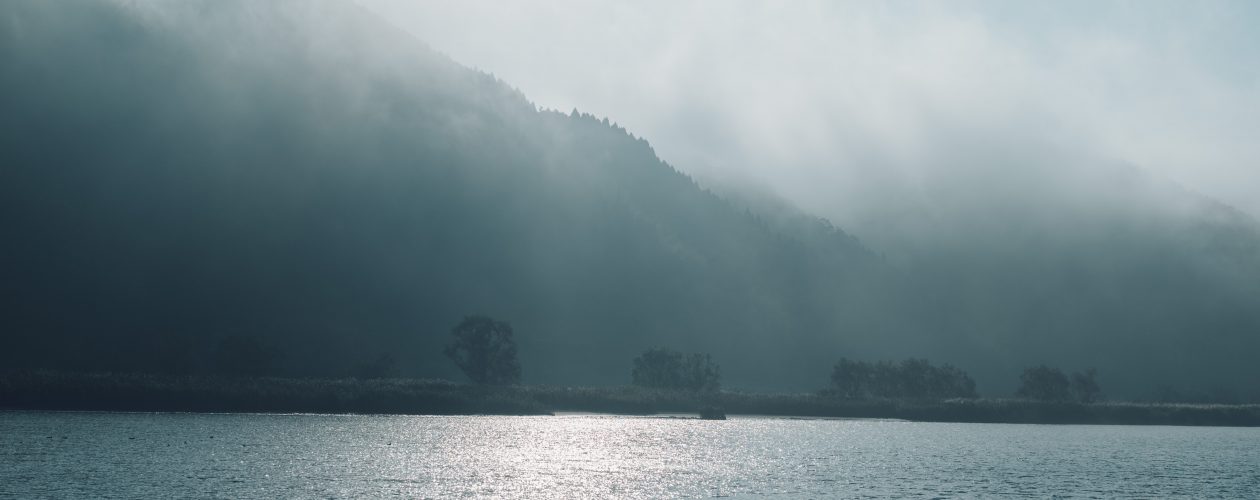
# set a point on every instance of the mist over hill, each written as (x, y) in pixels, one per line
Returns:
(305, 175)
(1068, 259)
(301, 173)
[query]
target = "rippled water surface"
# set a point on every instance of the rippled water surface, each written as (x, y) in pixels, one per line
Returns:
(267, 456)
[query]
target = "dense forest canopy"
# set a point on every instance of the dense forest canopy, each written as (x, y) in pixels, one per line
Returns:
(179, 176)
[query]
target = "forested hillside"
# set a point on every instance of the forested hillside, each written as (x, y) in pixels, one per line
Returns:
(302, 174)
(298, 188)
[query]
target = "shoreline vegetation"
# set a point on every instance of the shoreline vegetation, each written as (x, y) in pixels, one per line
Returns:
(67, 391)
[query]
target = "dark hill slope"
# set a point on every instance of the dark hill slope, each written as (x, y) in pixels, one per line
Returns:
(303, 174)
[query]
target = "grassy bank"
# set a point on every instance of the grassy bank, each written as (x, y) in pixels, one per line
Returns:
(133, 392)
(130, 392)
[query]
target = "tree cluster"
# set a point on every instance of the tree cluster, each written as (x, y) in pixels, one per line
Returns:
(1051, 384)
(667, 369)
(912, 378)
(483, 348)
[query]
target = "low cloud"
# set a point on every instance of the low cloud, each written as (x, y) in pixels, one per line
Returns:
(838, 105)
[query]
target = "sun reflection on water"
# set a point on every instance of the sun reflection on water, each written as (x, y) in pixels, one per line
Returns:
(600, 456)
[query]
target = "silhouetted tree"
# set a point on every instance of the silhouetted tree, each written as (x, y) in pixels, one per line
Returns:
(912, 378)
(668, 369)
(851, 379)
(1084, 386)
(1051, 384)
(700, 373)
(483, 348)
(660, 368)
(1044, 383)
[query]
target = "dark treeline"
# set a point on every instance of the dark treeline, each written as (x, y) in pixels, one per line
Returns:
(121, 392)
(1051, 384)
(910, 379)
(659, 368)
(663, 381)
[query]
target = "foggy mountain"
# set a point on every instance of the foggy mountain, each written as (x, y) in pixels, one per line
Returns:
(304, 174)
(301, 173)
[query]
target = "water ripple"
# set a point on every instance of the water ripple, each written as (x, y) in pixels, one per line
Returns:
(590, 456)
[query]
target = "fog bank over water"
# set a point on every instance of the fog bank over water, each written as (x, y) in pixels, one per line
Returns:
(842, 107)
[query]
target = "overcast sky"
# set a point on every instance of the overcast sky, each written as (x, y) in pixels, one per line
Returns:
(816, 99)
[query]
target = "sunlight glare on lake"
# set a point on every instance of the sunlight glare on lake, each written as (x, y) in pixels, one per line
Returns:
(602, 456)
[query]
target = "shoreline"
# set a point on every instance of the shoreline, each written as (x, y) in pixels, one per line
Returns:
(135, 393)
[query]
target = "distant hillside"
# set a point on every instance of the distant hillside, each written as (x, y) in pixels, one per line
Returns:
(301, 182)
(302, 173)
(1068, 260)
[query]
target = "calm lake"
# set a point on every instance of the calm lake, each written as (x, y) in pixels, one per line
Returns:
(83, 455)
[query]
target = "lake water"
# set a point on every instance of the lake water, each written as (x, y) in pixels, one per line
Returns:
(80, 455)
